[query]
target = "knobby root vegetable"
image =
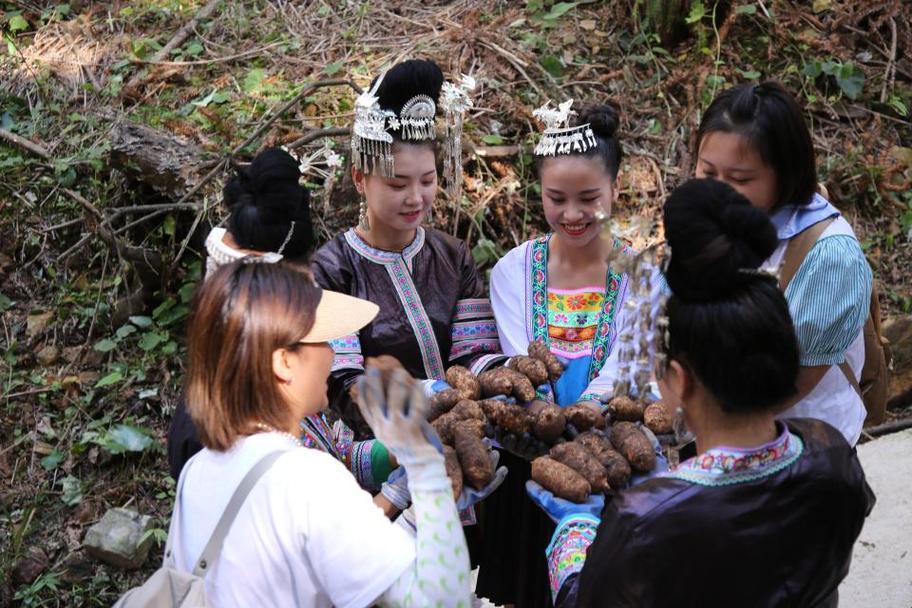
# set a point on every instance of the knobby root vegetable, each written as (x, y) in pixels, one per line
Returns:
(580, 459)
(468, 410)
(625, 409)
(549, 423)
(511, 418)
(522, 386)
(477, 467)
(453, 470)
(540, 351)
(495, 382)
(442, 402)
(584, 417)
(559, 479)
(464, 381)
(533, 369)
(615, 464)
(633, 445)
(658, 418)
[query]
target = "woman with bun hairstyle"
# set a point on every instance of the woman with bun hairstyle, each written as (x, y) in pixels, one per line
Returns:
(305, 534)
(270, 220)
(558, 289)
(754, 138)
(767, 512)
(434, 312)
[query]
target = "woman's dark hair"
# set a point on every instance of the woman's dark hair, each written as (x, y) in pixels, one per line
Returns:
(243, 313)
(604, 121)
(769, 118)
(732, 328)
(404, 81)
(264, 199)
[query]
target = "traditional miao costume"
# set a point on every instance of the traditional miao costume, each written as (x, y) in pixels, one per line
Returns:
(581, 326)
(768, 526)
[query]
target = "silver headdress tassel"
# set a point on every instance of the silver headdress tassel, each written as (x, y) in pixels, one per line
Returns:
(372, 141)
(455, 100)
(558, 137)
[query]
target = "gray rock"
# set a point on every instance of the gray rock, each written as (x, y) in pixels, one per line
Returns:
(115, 539)
(48, 356)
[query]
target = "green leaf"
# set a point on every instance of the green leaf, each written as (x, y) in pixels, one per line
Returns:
(163, 308)
(750, 74)
(150, 340)
(5, 303)
(125, 330)
(850, 80)
(72, 491)
(105, 346)
(122, 438)
(17, 23)
(484, 252)
(333, 68)
(697, 12)
(895, 102)
(186, 292)
(173, 315)
(552, 65)
(746, 9)
(253, 82)
(112, 378)
(559, 9)
(53, 460)
(169, 226)
(492, 139)
(193, 49)
(141, 322)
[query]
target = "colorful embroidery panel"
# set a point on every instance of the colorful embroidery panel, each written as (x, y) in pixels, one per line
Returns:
(604, 334)
(567, 552)
(347, 351)
(727, 466)
(573, 317)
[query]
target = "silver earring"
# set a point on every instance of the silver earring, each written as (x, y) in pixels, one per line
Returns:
(429, 216)
(363, 220)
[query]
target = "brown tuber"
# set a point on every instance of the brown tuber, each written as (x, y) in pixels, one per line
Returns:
(533, 369)
(511, 418)
(495, 382)
(580, 459)
(559, 479)
(616, 466)
(540, 351)
(474, 457)
(453, 470)
(658, 418)
(463, 381)
(549, 422)
(633, 445)
(442, 402)
(584, 417)
(625, 409)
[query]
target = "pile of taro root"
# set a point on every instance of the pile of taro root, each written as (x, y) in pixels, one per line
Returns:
(575, 451)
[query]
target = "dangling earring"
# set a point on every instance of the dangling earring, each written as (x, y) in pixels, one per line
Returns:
(363, 220)
(429, 216)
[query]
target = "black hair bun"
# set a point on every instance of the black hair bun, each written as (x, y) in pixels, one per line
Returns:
(264, 199)
(603, 119)
(408, 79)
(713, 233)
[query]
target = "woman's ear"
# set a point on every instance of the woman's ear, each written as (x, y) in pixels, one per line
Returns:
(358, 179)
(281, 365)
(678, 381)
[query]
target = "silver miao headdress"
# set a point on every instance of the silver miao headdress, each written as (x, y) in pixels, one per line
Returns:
(455, 100)
(372, 140)
(558, 137)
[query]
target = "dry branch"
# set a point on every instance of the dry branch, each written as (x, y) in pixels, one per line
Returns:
(25, 144)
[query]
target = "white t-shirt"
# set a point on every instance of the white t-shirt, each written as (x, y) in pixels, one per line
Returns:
(307, 535)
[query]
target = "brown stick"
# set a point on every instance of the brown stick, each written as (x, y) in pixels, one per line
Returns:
(317, 134)
(26, 144)
(178, 38)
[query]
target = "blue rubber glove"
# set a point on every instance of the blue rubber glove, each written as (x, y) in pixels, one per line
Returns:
(471, 496)
(545, 392)
(558, 508)
(432, 387)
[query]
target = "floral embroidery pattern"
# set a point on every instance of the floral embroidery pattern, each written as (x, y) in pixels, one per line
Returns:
(567, 552)
(727, 466)
(578, 303)
(347, 351)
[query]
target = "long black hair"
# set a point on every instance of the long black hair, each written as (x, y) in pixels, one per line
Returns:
(730, 325)
(264, 199)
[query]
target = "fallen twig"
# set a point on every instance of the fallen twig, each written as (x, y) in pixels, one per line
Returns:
(26, 144)
(317, 134)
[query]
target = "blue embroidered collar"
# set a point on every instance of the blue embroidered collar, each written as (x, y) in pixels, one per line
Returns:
(381, 256)
(726, 465)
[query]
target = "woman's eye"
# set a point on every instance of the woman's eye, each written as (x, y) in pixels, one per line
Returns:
(589, 201)
(427, 184)
(395, 186)
(741, 180)
(558, 201)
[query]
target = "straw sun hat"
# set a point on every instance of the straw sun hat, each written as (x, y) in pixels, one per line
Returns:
(338, 315)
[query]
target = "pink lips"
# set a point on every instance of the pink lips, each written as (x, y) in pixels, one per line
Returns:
(578, 232)
(411, 217)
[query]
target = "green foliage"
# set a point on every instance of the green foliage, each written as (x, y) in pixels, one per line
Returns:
(847, 76)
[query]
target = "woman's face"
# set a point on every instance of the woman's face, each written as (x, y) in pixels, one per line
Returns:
(574, 190)
(400, 202)
(309, 367)
(730, 158)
